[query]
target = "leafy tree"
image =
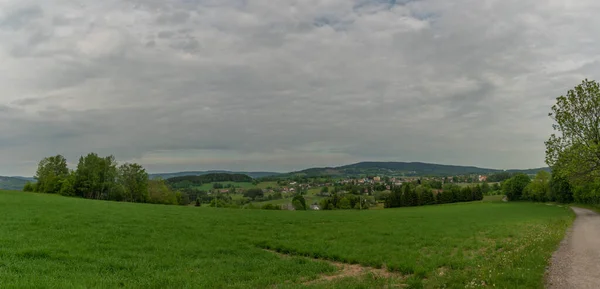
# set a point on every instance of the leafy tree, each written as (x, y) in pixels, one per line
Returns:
(29, 187)
(270, 207)
(182, 198)
(325, 189)
(67, 187)
(496, 187)
(499, 177)
(514, 187)
(95, 177)
(133, 179)
(478, 193)
(466, 194)
(485, 188)
(299, 202)
(425, 195)
(197, 203)
(345, 204)
(539, 189)
(446, 196)
(160, 193)
(436, 185)
(395, 198)
(254, 193)
(560, 189)
(50, 174)
(575, 151)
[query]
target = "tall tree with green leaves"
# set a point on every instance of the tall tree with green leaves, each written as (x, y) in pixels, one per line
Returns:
(539, 188)
(514, 187)
(133, 180)
(560, 189)
(95, 176)
(50, 174)
(574, 150)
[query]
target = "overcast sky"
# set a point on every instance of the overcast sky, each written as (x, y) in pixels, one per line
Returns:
(285, 85)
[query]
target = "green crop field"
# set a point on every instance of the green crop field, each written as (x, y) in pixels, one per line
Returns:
(49, 241)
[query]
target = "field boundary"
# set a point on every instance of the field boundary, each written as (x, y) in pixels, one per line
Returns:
(345, 270)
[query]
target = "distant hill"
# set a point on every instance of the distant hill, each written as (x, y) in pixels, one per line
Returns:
(401, 169)
(200, 173)
(12, 183)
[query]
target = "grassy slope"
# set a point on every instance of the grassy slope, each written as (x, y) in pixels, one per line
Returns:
(56, 242)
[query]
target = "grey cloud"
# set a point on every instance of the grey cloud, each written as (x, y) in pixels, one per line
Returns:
(177, 17)
(21, 17)
(257, 85)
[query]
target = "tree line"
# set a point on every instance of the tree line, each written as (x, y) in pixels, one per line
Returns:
(189, 181)
(102, 178)
(410, 195)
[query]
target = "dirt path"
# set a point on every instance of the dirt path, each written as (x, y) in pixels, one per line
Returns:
(576, 264)
(346, 270)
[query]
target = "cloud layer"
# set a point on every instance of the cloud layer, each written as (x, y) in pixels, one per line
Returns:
(284, 85)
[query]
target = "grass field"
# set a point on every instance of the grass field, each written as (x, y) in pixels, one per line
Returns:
(57, 242)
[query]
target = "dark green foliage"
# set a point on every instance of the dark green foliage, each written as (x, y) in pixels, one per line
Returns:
(50, 174)
(160, 193)
(560, 189)
(588, 193)
(95, 177)
(254, 193)
(133, 180)
(270, 207)
(345, 202)
(182, 198)
(425, 196)
(466, 194)
(67, 187)
(395, 198)
(197, 203)
(496, 187)
(99, 178)
(299, 202)
(478, 193)
(485, 188)
(436, 185)
(513, 188)
(29, 187)
(409, 195)
(499, 177)
(187, 181)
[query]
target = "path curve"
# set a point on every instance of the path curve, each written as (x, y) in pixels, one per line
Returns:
(576, 264)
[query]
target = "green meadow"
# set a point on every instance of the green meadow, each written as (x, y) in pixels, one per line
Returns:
(49, 241)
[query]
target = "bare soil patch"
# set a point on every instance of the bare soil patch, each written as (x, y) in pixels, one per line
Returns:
(346, 270)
